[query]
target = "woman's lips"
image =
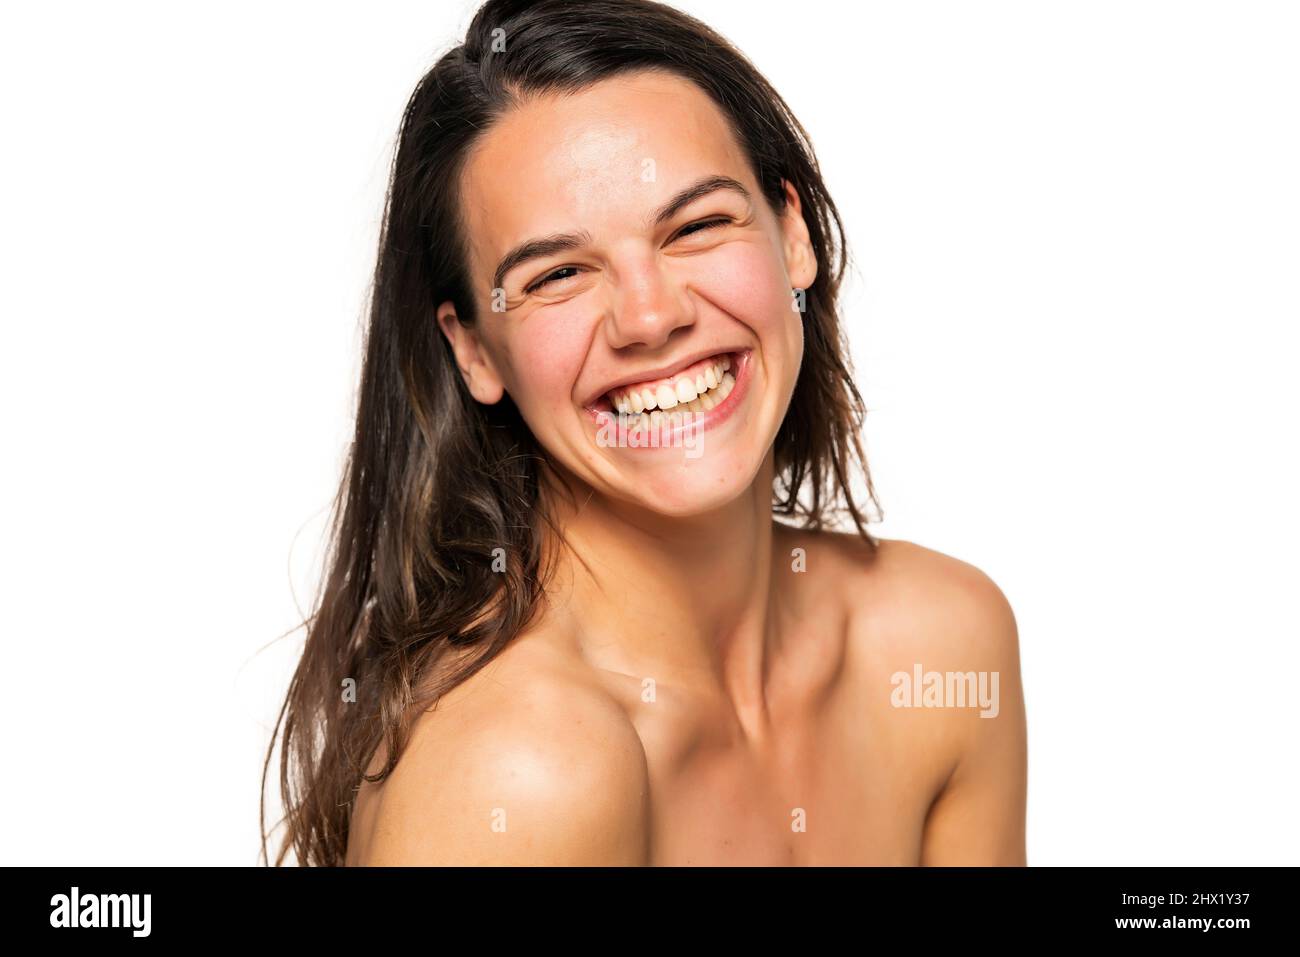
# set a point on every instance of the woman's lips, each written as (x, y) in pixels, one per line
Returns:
(675, 427)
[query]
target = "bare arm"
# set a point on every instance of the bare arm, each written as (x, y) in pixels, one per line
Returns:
(979, 816)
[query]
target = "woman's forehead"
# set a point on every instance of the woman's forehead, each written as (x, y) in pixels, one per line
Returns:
(604, 155)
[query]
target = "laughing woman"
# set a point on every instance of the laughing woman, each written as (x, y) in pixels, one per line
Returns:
(587, 603)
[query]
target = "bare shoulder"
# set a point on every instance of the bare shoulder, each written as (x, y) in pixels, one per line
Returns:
(942, 632)
(968, 650)
(900, 597)
(911, 608)
(526, 763)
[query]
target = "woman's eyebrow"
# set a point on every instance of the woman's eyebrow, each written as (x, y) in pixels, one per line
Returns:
(560, 242)
(710, 184)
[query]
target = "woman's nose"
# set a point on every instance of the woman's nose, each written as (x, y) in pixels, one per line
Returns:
(647, 308)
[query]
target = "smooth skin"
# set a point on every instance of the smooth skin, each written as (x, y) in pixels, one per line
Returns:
(696, 690)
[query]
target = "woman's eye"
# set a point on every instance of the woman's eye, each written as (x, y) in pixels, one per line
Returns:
(702, 225)
(568, 272)
(555, 276)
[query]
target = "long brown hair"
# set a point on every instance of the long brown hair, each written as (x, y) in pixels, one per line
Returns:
(435, 482)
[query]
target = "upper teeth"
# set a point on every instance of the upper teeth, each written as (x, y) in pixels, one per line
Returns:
(696, 389)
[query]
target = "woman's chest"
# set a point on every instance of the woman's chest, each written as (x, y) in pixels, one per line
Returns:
(817, 794)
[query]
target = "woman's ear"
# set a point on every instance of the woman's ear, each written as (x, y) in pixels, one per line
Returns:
(476, 366)
(800, 258)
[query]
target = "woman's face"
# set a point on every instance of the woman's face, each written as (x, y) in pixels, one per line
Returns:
(628, 270)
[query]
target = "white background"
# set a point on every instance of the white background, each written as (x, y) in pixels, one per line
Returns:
(1076, 230)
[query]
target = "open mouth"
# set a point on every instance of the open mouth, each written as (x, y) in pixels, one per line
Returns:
(697, 388)
(702, 394)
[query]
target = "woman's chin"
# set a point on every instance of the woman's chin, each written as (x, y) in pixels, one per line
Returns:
(682, 490)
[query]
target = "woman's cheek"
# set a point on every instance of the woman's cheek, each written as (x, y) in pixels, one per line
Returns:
(745, 281)
(545, 359)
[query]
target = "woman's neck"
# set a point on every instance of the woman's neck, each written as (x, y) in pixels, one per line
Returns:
(683, 601)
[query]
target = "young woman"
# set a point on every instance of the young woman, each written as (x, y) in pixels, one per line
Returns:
(562, 624)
